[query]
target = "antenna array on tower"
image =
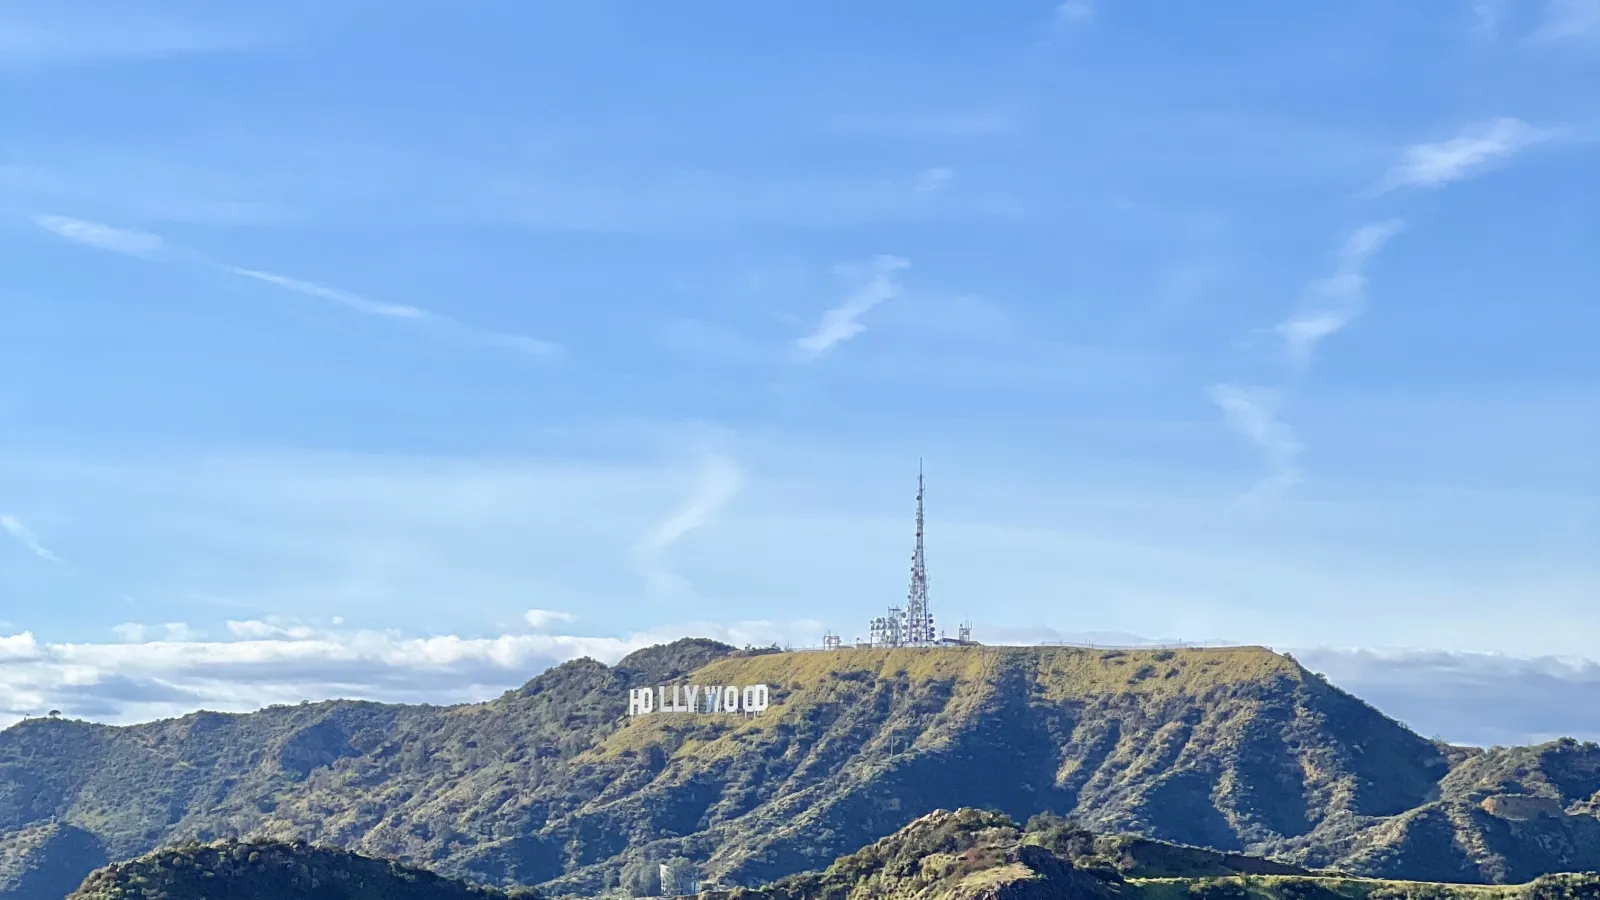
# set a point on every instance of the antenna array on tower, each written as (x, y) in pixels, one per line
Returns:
(912, 624)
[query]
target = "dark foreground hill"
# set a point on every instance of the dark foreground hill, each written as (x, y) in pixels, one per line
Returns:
(973, 855)
(270, 871)
(1235, 749)
(962, 855)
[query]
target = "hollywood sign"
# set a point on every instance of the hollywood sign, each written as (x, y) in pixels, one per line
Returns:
(694, 698)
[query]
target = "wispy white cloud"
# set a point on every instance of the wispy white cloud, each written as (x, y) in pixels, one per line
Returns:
(530, 345)
(1254, 412)
(312, 289)
(1073, 11)
(1475, 149)
(843, 322)
(544, 619)
(1337, 299)
(13, 526)
(272, 628)
(143, 244)
(930, 180)
(1334, 302)
(1570, 20)
(719, 481)
(520, 343)
(103, 237)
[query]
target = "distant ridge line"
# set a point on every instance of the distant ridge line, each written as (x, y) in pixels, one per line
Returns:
(1082, 645)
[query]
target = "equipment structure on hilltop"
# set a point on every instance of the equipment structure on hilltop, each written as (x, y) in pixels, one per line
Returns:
(912, 624)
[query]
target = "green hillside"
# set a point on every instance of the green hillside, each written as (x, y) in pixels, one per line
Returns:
(1236, 749)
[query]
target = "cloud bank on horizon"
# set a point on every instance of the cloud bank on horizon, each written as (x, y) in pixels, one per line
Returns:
(151, 673)
(1242, 342)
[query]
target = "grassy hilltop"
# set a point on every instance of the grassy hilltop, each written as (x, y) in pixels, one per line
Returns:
(1235, 749)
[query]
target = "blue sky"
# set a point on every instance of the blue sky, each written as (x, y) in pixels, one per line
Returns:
(347, 333)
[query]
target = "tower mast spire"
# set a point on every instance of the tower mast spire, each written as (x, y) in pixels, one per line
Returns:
(919, 619)
(912, 624)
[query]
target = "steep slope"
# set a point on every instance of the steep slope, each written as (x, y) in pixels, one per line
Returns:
(1464, 842)
(46, 861)
(1231, 749)
(1504, 815)
(1235, 749)
(1565, 771)
(270, 871)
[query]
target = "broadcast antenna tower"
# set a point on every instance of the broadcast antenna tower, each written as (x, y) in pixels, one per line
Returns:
(919, 619)
(910, 625)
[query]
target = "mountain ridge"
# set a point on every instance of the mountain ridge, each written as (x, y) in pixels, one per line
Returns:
(1238, 749)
